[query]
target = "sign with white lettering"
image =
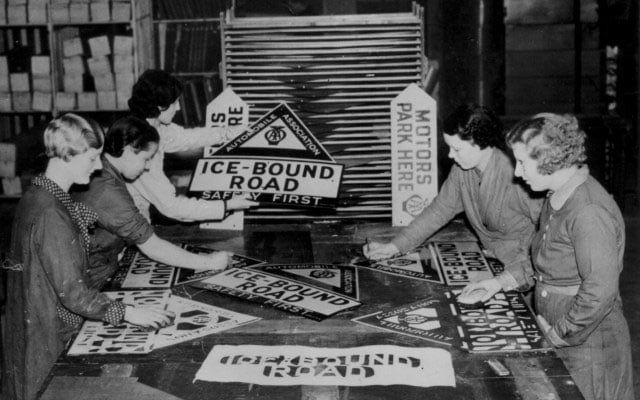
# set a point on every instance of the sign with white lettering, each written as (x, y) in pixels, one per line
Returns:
(277, 161)
(461, 262)
(504, 323)
(417, 265)
(98, 337)
(279, 292)
(303, 365)
(341, 279)
(228, 109)
(425, 319)
(414, 154)
(193, 320)
(137, 271)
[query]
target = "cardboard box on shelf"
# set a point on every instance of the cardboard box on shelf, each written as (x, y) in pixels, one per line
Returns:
(41, 101)
(41, 83)
(120, 11)
(122, 45)
(99, 46)
(107, 100)
(37, 13)
(17, 14)
(104, 82)
(5, 101)
(8, 151)
(123, 63)
(73, 65)
(66, 100)
(59, 13)
(19, 82)
(79, 12)
(100, 12)
(87, 101)
(72, 47)
(72, 83)
(4, 75)
(99, 65)
(11, 186)
(40, 65)
(21, 101)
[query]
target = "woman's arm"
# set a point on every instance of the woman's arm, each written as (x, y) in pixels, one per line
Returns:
(167, 253)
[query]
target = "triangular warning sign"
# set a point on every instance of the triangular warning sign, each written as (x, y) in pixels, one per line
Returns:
(342, 279)
(279, 133)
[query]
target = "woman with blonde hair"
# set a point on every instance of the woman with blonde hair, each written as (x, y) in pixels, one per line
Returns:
(47, 292)
(577, 254)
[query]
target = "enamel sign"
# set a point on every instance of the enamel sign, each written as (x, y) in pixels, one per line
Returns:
(228, 109)
(419, 264)
(279, 292)
(503, 323)
(303, 365)
(414, 154)
(461, 262)
(277, 161)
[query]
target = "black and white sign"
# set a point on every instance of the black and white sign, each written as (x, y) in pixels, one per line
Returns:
(426, 319)
(461, 262)
(303, 365)
(505, 323)
(419, 264)
(341, 279)
(279, 292)
(277, 161)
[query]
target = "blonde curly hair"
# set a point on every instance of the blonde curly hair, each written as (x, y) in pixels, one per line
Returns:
(556, 141)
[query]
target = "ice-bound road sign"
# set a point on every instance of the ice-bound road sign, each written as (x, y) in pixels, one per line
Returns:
(414, 154)
(278, 161)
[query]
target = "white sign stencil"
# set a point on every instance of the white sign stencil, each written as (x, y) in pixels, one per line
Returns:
(303, 365)
(195, 319)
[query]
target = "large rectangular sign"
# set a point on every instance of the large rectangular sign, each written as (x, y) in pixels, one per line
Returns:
(303, 365)
(294, 183)
(278, 292)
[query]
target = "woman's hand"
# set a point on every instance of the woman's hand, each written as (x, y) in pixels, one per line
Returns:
(148, 317)
(479, 291)
(241, 202)
(379, 251)
(218, 260)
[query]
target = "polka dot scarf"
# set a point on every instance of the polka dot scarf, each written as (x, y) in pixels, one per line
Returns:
(83, 217)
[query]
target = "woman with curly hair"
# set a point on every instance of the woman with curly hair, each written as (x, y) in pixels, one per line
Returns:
(577, 254)
(154, 98)
(501, 212)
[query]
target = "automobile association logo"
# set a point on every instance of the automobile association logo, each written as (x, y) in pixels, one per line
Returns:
(425, 319)
(414, 205)
(275, 135)
(322, 274)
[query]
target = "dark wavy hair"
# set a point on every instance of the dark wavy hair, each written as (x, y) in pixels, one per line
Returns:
(154, 91)
(555, 141)
(475, 123)
(129, 131)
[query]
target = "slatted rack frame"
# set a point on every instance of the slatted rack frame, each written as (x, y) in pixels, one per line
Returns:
(339, 74)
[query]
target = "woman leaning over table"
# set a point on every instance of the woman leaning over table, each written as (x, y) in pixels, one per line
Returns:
(501, 212)
(48, 296)
(577, 254)
(154, 98)
(129, 147)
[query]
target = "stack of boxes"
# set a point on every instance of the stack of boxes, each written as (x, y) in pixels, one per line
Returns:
(112, 72)
(41, 83)
(23, 11)
(11, 184)
(78, 11)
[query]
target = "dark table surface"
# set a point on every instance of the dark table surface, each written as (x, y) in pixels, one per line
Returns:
(169, 373)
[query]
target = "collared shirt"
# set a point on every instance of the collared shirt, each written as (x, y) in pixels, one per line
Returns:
(581, 243)
(153, 186)
(119, 224)
(500, 210)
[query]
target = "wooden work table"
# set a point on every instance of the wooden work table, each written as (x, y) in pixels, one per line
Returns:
(169, 373)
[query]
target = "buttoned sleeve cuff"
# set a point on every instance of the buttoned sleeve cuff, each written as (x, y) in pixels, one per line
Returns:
(115, 313)
(507, 281)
